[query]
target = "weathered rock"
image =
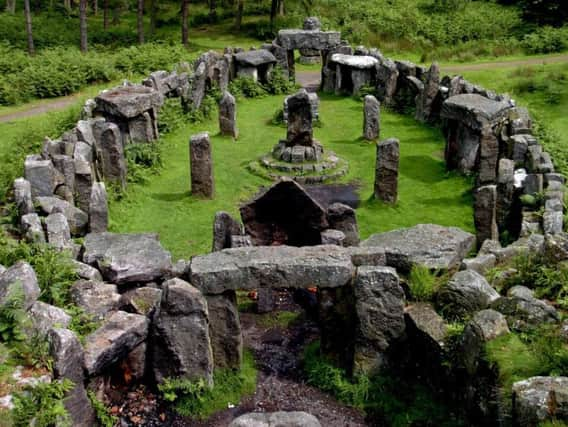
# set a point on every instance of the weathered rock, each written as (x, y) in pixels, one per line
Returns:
(238, 241)
(46, 317)
(202, 180)
(32, 229)
(23, 197)
(255, 58)
(228, 115)
(481, 263)
(95, 298)
(539, 399)
(474, 110)
(276, 419)
(83, 151)
(76, 218)
(421, 317)
(491, 324)
(98, 209)
(128, 101)
(466, 293)
(58, 232)
(557, 247)
(367, 255)
(552, 222)
(127, 258)
(332, 237)
(225, 330)
(300, 130)
(521, 292)
(379, 303)
(180, 334)
(225, 226)
(433, 246)
(355, 61)
(85, 271)
(425, 99)
(523, 313)
(386, 170)
(20, 274)
(144, 300)
(312, 23)
(119, 335)
(371, 118)
(83, 184)
(41, 175)
(308, 39)
(271, 266)
(488, 157)
(342, 217)
(485, 213)
(110, 153)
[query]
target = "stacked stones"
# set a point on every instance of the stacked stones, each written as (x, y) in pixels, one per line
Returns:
(310, 56)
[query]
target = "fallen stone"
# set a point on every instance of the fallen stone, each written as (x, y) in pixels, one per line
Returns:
(539, 399)
(41, 175)
(524, 314)
(332, 237)
(481, 263)
(58, 232)
(95, 298)
(20, 274)
(76, 218)
(491, 323)
(276, 419)
(46, 317)
(85, 271)
(421, 317)
(23, 197)
(143, 300)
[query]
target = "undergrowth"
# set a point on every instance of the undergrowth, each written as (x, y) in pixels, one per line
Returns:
(423, 283)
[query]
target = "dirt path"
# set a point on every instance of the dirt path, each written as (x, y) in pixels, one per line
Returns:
(44, 107)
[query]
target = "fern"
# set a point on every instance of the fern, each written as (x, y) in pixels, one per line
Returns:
(12, 315)
(102, 413)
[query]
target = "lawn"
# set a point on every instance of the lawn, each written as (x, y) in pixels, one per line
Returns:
(165, 205)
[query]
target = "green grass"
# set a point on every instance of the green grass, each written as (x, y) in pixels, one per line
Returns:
(165, 205)
(282, 319)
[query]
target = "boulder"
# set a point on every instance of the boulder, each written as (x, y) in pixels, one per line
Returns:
(539, 399)
(308, 39)
(21, 274)
(76, 218)
(58, 232)
(225, 330)
(466, 293)
(180, 334)
(474, 111)
(144, 300)
(342, 217)
(379, 304)
(120, 334)
(276, 419)
(255, 58)
(23, 197)
(490, 323)
(85, 271)
(422, 318)
(430, 245)
(31, 227)
(332, 237)
(41, 175)
(110, 153)
(46, 317)
(128, 101)
(95, 298)
(254, 267)
(127, 258)
(524, 313)
(480, 264)
(98, 209)
(224, 226)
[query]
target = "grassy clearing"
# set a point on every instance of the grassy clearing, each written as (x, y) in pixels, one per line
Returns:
(165, 205)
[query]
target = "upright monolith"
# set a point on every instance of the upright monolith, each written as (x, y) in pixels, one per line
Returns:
(202, 183)
(386, 170)
(371, 122)
(228, 116)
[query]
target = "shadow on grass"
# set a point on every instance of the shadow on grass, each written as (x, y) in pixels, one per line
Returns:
(171, 197)
(422, 168)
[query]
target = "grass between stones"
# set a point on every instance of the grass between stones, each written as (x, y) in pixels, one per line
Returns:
(427, 193)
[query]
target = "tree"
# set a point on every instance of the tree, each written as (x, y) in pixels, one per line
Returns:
(140, 21)
(153, 15)
(239, 16)
(273, 10)
(83, 24)
(280, 7)
(29, 32)
(105, 15)
(11, 6)
(184, 24)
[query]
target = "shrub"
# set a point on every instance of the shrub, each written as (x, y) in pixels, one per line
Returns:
(143, 160)
(279, 84)
(246, 87)
(546, 40)
(422, 282)
(12, 315)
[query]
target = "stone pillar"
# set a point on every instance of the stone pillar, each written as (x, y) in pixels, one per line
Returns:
(372, 118)
(265, 302)
(228, 116)
(98, 208)
(386, 170)
(225, 330)
(425, 100)
(485, 213)
(23, 196)
(110, 153)
(202, 184)
(488, 157)
(505, 194)
(300, 130)
(342, 217)
(224, 227)
(83, 184)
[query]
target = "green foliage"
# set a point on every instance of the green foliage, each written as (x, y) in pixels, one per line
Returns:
(282, 319)
(197, 399)
(423, 283)
(143, 161)
(42, 405)
(279, 84)
(546, 40)
(102, 413)
(246, 87)
(12, 315)
(33, 352)
(82, 323)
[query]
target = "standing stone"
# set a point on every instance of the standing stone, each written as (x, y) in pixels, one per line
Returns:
(110, 153)
(225, 330)
(505, 193)
(372, 117)
(98, 208)
(485, 213)
(228, 116)
(300, 130)
(379, 304)
(66, 166)
(180, 334)
(425, 99)
(488, 157)
(23, 196)
(83, 184)
(386, 170)
(42, 176)
(58, 232)
(202, 184)
(224, 227)
(342, 217)
(332, 237)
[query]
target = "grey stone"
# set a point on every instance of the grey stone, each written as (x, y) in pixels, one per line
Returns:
(271, 266)
(433, 246)
(342, 217)
(425, 99)
(110, 153)
(379, 303)
(97, 299)
(20, 274)
(83, 184)
(312, 23)
(202, 180)
(485, 213)
(423, 318)
(332, 237)
(355, 61)
(84, 129)
(520, 148)
(254, 58)
(225, 330)
(523, 314)
(276, 419)
(76, 218)
(180, 333)
(98, 209)
(466, 293)
(144, 300)
(538, 399)
(491, 323)
(238, 241)
(481, 263)
(308, 39)
(372, 118)
(473, 110)
(32, 229)
(521, 292)
(46, 317)
(300, 130)
(85, 271)
(556, 247)
(58, 232)
(552, 222)
(128, 101)
(127, 258)
(228, 115)
(120, 334)
(367, 255)
(41, 175)
(23, 197)
(386, 170)
(225, 226)
(83, 151)
(66, 166)
(488, 157)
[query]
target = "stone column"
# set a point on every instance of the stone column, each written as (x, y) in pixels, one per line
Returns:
(202, 184)
(98, 208)
(386, 170)
(228, 116)
(485, 213)
(225, 330)
(488, 157)
(371, 119)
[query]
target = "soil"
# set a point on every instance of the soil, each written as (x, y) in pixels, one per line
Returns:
(281, 385)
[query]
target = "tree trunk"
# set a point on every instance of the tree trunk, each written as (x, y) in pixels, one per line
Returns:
(67, 5)
(105, 15)
(184, 26)
(212, 10)
(273, 9)
(153, 15)
(27, 12)
(83, 24)
(95, 7)
(140, 21)
(11, 6)
(116, 15)
(280, 7)
(239, 17)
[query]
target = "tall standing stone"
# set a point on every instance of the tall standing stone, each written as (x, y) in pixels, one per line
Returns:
(110, 152)
(425, 100)
(83, 184)
(372, 118)
(225, 330)
(488, 157)
(386, 170)
(202, 183)
(300, 129)
(485, 213)
(228, 115)
(98, 208)
(23, 196)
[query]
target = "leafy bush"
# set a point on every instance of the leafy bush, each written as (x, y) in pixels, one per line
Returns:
(422, 282)
(143, 160)
(12, 315)
(546, 40)
(279, 84)
(246, 87)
